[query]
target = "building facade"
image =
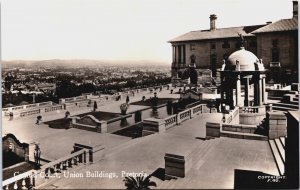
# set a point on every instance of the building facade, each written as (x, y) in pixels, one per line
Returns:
(276, 43)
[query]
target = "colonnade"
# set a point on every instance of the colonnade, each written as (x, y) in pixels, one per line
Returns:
(234, 80)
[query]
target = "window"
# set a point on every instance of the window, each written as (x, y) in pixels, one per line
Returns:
(213, 46)
(225, 45)
(275, 55)
(275, 42)
(192, 47)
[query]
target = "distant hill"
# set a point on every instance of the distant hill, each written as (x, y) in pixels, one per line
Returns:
(54, 63)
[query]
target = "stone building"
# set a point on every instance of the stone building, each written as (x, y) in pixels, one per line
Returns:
(275, 43)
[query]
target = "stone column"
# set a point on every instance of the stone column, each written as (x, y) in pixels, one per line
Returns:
(260, 91)
(238, 91)
(257, 97)
(182, 54)
(263, 86)
(175, 54)
(246, 101)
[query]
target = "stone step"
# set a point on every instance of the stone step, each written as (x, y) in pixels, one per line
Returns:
(282, 140)
(287, 105)
(284, 109)
(274, 98)
(199, 156)
(294, 103)
(280, 148)
(277, 158)
(239, 135)
(125, 145)
(199, 150)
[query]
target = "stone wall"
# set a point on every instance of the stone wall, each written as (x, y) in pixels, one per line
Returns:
(277, 124)
(11, 143)
(203, 50)
(251, 118)
(286, 46)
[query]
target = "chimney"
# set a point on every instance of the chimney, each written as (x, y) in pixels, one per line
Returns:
(213, 19)
(269, 22)
(295, 9)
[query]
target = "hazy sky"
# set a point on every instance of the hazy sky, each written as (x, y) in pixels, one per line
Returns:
(118, 29)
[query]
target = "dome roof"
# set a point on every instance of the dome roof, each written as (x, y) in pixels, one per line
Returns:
(245, 59)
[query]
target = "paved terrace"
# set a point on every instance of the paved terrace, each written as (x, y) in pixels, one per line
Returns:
(56, 143)
(215, 170)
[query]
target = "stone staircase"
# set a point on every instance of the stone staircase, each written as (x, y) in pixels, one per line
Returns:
(292, 105)
(198, 157)
(127, 144)
(277, 146)
(49, 183)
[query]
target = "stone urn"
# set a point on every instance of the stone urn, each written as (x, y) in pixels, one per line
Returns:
(123, 108)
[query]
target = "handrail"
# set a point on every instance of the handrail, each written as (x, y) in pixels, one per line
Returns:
(63, 159)
(18, 177)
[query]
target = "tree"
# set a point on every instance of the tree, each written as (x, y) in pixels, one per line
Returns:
(140, 183)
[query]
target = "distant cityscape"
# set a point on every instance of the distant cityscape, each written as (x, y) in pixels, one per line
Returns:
(49, 82)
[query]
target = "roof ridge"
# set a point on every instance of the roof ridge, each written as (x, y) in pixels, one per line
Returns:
(227, 28)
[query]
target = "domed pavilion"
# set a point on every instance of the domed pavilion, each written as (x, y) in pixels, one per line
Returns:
(244, 70)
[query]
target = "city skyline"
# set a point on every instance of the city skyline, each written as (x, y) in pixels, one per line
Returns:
(128, 30)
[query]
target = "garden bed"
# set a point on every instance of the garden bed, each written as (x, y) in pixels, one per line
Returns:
(133, 131)
(101, 115)
(63, 123)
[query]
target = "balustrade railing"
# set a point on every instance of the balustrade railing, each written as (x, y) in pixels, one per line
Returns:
(53, 108)
(17, 108)
(171, 121)
(249, 109)
(185, 114)
(22, 181)
(31, 112)
(197, 109)
(31, 178)
(232, 115)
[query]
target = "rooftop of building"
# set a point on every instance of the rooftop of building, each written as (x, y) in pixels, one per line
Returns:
(219, 33)
(279, 26)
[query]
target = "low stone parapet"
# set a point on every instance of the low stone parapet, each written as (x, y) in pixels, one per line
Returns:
(175, 166)
(89, 123)
(154, 125)
(213, 129)
(239, 128)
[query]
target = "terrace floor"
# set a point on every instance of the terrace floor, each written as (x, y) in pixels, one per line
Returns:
(123, 154)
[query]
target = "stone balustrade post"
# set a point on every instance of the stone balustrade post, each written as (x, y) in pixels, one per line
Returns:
(84, 157)
(91, 156)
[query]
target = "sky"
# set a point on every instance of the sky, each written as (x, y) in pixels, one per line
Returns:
(118, 29)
